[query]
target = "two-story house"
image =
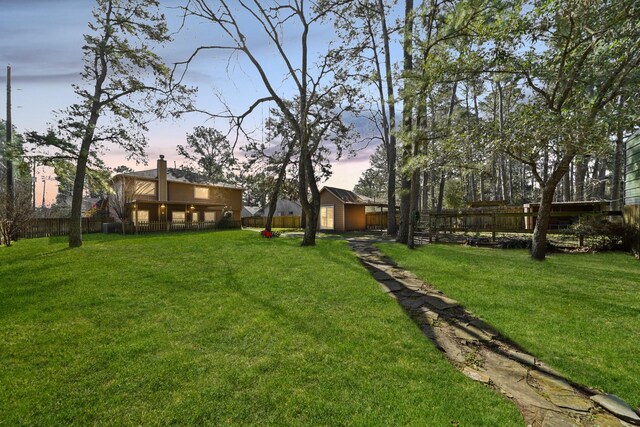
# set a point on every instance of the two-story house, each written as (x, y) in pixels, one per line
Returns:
(175, 196)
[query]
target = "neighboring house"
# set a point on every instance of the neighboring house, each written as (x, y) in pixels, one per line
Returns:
(284, 207)
(343, 210)
(632, 181)
(249, 211)
(175, 195)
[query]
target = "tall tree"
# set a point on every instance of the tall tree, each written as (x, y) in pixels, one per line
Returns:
(578, 58)
(210, 153)
(310, 83)
(366, 36)
(15, 193)
(123, 79)
(407, 123)
(373, 181)
(281, 155)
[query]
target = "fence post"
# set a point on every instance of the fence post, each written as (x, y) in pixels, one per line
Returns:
(581, 237)
(493, 227)
(430, 230)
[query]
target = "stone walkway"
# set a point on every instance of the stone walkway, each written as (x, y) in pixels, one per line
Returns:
(543, 396)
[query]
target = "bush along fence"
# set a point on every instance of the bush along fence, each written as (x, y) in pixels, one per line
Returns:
(277, 222)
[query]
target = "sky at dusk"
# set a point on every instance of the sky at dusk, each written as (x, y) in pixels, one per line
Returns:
(42, 40)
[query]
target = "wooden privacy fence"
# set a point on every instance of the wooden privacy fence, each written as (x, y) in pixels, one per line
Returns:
(48, 227)
(378, 220)
(502, 222)
(290, 221)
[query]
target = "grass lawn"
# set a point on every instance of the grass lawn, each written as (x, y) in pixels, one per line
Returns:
(579, 313)
(217, 328)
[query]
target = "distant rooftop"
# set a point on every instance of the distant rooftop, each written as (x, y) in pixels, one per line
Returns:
(351, 198)
(180, 175)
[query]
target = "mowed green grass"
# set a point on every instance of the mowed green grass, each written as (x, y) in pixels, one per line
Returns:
(580, 313)
(219, 328)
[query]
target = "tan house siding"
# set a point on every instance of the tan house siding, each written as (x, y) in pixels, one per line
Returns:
(326, 198)
(148, 184)
(173, 199)
(355, 218)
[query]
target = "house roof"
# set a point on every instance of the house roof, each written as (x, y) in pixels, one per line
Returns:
(181, 175)
(282, 205)
(250, 210)
(350, 198)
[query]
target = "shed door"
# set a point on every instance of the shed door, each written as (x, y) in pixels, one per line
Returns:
(326, 217)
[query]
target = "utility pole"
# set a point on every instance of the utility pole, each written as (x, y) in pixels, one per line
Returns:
(33, 184)
(44, 190)
(8, 145)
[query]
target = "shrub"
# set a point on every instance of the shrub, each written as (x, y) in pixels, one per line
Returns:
(600, 234)
(226, 221)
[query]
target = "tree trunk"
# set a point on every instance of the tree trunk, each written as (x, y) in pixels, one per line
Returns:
(405, 183)
(425, 190)
(602, 180)
(391, 148)
(440, 192)
(432, 188)
(548, 189)
(539, 238)
(75, 222)
(580, 174)
(275, 194)
(414, 207)
(310, 207)
(616, 176)
(566, 187)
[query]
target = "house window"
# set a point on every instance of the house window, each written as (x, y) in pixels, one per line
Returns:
(178, 216)
(201, 192)
(142, 216)
(195, 216)
(146, 188)
(326, 217)
(209, 216)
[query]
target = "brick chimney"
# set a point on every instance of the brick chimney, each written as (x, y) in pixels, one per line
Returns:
(162, 179)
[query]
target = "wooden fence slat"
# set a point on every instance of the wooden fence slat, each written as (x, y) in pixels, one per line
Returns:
(286, 221)
(50, 227)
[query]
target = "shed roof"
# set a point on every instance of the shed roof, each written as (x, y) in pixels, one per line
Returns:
(350, 198)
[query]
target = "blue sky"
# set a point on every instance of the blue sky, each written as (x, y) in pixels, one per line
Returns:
(42, 39)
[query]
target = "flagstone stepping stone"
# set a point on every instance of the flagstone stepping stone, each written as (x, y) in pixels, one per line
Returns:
(521, 357)
(381, 275)
(617, 406)
(558, 391)
(543, 396)
(605, 419)
(391, 286)
(412, 302)
(476, 375)
(440, 303)
(485, 327)
(555, 419)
